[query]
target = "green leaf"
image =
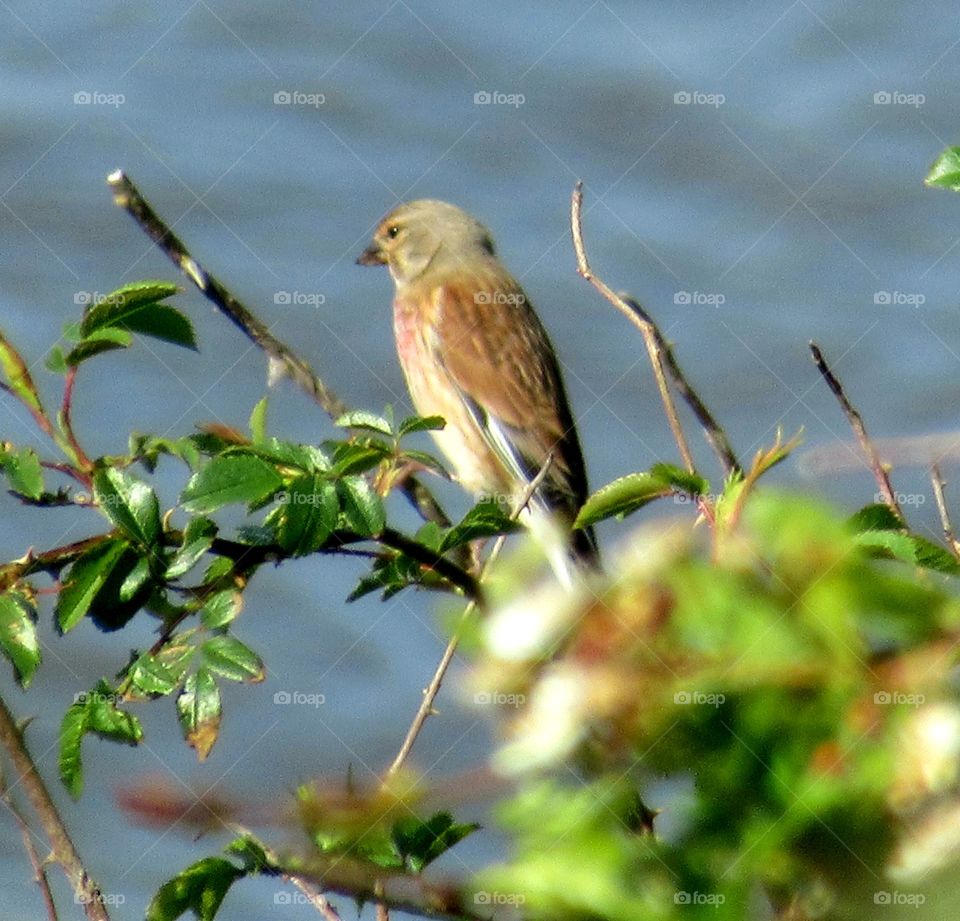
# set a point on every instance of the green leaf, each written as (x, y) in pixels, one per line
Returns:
(221, 609)
(420, 843)
(258, 421)
(86, 578)
(230, 478)
(359, 456)
(309, 514)
(131, 505)
(683, 480)
(18, 378)
(908, 548)
(107, 721)
(421, 424)
(197, 539)
(878, 517)
(360, 419)
(623, 496)
(486, 519)
(56, 361)
(136, 308)
(361, 507)
(945, 171)
(103, 340)
(227, 656)
(24, 472)
(199, 711)
(18, 635)
(72, 727)
(200, 888)
(161, 674)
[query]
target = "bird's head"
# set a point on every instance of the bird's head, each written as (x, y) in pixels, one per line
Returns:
(426, 235)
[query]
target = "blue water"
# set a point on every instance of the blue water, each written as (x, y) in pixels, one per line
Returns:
(780, 199)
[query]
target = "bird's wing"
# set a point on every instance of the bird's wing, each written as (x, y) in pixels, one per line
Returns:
(498, 356)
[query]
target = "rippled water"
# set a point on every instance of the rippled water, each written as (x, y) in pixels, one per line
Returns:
(753, 174)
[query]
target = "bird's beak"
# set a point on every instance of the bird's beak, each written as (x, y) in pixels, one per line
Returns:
(372, 255)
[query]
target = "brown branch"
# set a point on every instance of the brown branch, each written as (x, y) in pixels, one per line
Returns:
(79, 456)
(859, 429)
(84, 888)
(127, 196)
(654, 347)
(39, 871)
(936, 478)
(712, 430)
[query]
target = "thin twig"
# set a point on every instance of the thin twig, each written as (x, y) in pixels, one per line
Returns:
(936, 478)
(79, 456)
(712, 430)
(25, 772)
(859, 429)
(127, 196)
(39, 871)
(432, 689)
(654, 348)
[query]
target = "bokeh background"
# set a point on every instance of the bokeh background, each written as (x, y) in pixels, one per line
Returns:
(753, 175)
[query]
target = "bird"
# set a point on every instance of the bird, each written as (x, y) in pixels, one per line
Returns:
(474, 351)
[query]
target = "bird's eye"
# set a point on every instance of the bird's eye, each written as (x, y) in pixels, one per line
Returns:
(393, 232)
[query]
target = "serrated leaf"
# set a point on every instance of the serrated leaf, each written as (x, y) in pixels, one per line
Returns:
(18, 377)
(361, 508)
(421, 424)
(308, 458)
(106, 720)
(197, 539)
(428, 461)
(420, 843)
(152, 676)
(908, 548)
(221, 609)
(135, 580)
(360, 419)
(683, 480)
(103, 340)
(18, 635)
(258, 421)
(72, 728)
(359, 456)
(878, 517)
(200, 888)
(486, 519)
(136, 308)
(86, 578)
(623, 496)
(944, 173)
(24, 472)
(199, 711)
(228, 657)
(131, 505)
(230, 478)
(309, 514)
